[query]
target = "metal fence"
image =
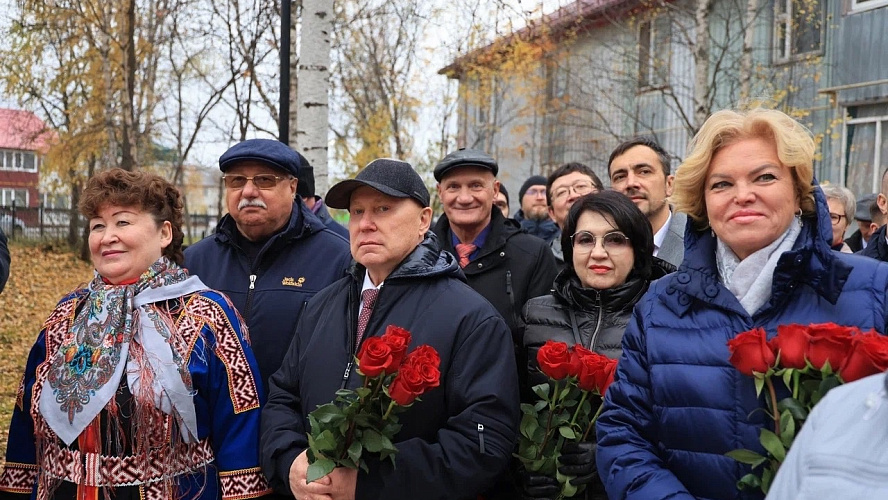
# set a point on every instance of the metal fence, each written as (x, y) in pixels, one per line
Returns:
(38, 223)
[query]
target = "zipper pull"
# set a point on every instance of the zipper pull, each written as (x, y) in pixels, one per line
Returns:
(481, 436)
(348, 368)
(252, 281)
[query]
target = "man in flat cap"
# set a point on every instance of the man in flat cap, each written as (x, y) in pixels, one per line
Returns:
(865, 227)
(269, 254)
(501, 262)
(455, 441)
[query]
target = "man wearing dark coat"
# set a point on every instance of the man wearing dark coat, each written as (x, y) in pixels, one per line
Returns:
(458, 439)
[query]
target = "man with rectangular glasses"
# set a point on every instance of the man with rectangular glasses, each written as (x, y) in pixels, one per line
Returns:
(563, 187)
(270, 254)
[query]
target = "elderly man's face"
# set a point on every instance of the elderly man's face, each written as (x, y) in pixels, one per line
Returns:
(867, 228)
(383, 230)
(467, 195)
(260, 212)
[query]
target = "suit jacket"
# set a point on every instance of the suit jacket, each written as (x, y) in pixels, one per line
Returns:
(672, 249)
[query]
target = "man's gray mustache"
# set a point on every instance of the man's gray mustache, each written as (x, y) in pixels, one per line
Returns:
(252, 202)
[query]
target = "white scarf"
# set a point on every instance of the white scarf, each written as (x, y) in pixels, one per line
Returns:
(750, 280)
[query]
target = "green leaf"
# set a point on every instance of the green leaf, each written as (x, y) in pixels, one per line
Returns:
(794, 407)
(319, 469)
(328, 414)
(354, 451)
(750, 482)
(542, 391)
(363, 392)
(767, 478)
(540, 405)
(748, 457)
(528, 409)
(829, 383)
(787, 377)
(787, 428)
(325, 442)
(772, 443)
(568, 490)
(372, 441)
(529, 426)
(759, 385)
(567, 432)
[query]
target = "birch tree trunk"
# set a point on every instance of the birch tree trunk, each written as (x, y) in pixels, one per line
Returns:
(701, 63)
(313, 74)
(295, 9)
(746, 58)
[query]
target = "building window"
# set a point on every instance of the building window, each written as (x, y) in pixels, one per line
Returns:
(556, 80)
(797, 28)
(866, 148)
(18, 160)
(654, 54)
(8, 195)
(859, 5)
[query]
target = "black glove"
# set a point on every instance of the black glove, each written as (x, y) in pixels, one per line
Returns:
(538, 487)
(578, 459)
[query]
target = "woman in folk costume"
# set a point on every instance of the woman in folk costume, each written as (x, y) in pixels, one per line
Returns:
(141, 385)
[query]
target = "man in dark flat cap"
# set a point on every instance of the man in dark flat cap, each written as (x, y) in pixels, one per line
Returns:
(865, 228)
(458, 439)
(270, 254)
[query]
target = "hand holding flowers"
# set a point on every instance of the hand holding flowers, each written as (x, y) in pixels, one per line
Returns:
(365, 419)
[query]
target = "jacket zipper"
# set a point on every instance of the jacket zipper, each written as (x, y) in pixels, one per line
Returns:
(353, 338)
(481, 437)
(249, 305)
(598, 324)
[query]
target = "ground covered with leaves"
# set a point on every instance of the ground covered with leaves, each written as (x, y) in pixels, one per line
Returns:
(40, 276)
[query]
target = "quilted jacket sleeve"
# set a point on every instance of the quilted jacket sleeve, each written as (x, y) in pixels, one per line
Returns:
(628, 462)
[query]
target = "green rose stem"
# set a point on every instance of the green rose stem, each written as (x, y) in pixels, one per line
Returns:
(579, 408)
(593, 420)
(388, 410)
(774, 412)
(548, 422)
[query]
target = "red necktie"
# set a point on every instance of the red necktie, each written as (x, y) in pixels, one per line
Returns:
(464, 250)
(368, 296)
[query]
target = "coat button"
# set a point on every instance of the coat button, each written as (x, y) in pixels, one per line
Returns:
(670, 290)
(480, 265)
(502, 254)
(798, 260)
(683, 299)
(683, 278)
(711, 291)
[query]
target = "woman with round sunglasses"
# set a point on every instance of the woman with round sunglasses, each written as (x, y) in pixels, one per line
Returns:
(608, 253)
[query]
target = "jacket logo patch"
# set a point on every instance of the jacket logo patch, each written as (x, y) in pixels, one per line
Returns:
(291, 282)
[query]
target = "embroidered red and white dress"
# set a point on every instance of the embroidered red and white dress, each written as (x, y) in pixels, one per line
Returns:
(132, 449)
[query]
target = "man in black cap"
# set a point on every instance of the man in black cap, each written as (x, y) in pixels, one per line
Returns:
(865, 228)
(534, 213)
(270, 254)
(501, 200)
(504, 264)
(455, 441)
(306, 190)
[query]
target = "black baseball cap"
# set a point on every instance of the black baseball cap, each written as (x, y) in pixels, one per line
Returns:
(464, 157)
(273, 153)
(392, 177)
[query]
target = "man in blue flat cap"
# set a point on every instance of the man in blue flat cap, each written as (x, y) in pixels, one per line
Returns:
(270, 254)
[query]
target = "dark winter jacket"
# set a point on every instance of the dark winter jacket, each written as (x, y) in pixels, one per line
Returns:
(877, 247)
(855, 241)
(270, 294)
(4, 261)
(677, 405)
(545, 229)
(459, 437)
(509, 269)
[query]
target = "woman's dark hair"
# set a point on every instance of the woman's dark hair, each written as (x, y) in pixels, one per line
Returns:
(628, 219)
(150, 192)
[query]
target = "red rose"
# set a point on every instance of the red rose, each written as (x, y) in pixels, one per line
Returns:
(425, 361)
(593, 374)
(868, 356)
(829, 342)
(428, 354)
(397, 339)
(407, 385)
(611, 371)
(576, 362)
(375, 357)
(750, 352)
(554, 360)
(792, 342)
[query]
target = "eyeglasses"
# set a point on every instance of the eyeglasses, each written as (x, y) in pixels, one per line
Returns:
(836, 218)
(261, 181)
(535, 192)
(579, 187)
(614, 241)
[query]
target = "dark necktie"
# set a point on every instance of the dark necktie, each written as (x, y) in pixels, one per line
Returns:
(368, 296)
(464, 250)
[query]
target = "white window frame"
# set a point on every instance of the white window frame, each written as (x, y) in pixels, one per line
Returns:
(784, 20)
(20, 155)
(877, 153)
(864, 5)
(7, 194)
(651, 79)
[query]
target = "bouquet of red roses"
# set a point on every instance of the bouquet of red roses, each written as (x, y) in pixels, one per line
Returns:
(808, 361)
(365, 419)
(577, 377)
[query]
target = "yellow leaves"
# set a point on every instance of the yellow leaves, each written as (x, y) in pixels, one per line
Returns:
(38, 279)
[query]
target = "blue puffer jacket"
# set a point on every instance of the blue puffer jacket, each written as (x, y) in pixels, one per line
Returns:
(291, 268)
(677, 405)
